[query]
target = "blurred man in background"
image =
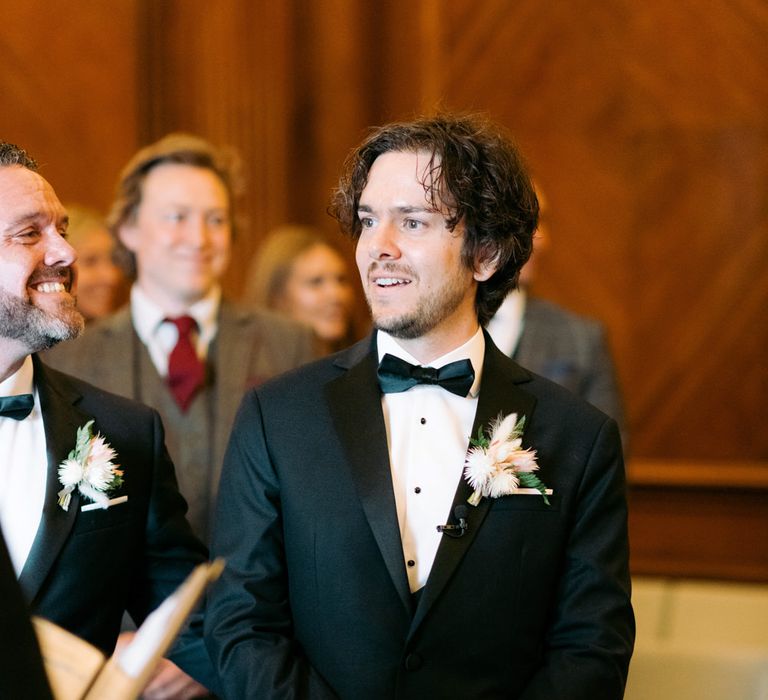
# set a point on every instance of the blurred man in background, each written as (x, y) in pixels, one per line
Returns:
(179, 346)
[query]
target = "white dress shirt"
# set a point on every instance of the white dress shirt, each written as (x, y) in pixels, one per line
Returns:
(160, 336)
(23, 469)
(428, 431)
(506, 326)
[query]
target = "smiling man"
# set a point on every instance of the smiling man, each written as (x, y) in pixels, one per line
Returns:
(179, 346)
(374, 550)
(78, 564)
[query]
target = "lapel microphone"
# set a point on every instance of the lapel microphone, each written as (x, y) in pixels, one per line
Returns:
(456, 531)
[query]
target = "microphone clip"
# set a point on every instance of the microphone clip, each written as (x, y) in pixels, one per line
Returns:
(457, 530)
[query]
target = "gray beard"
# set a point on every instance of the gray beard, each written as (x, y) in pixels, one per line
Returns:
(35, 328)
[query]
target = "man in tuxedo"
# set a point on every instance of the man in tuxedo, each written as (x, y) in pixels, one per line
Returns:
(361, 563)
(179, 346)
(79, 563)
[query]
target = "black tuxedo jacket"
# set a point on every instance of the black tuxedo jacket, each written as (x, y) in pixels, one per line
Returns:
(86, 568)
(533, 602)
(22, 675)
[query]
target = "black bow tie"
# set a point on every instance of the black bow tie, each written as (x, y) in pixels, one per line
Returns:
(396, 375)
(16, 407)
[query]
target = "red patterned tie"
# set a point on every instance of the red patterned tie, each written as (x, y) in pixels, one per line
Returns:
(186, 372)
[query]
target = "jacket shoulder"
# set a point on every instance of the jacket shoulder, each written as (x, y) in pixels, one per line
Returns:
(88, 396)
(551, 314)
(101, 338)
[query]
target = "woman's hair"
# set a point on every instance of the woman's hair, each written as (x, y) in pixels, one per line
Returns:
(271, 265)
(82, 220)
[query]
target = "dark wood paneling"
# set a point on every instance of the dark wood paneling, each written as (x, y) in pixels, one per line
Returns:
(699, 520)
(645, 126)
(222, 70)
(68, 81)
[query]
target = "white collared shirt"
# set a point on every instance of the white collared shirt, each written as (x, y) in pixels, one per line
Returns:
(23, 469)
(506, 326)
(160, 336)
(428, 431)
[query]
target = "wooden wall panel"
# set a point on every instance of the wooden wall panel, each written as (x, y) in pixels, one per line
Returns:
(699, 520)
(645, 125)
(68, 81)
(223, 71)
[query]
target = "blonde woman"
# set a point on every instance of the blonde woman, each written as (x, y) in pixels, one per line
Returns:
(297, 271)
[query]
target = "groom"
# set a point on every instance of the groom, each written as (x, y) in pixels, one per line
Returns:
(78, 564)
(359, 565)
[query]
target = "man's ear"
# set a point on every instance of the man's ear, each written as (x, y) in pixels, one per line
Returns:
(129, 236)
(485, 269)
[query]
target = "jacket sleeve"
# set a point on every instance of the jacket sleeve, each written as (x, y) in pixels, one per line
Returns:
(248, 625)
(591, 636)
(170, 554)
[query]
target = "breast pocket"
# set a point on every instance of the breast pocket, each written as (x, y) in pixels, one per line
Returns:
(120, 515)
(527, 502)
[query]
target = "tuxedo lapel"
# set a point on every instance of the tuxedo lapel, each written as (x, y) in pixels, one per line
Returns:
(61, 420)
(354, 395)
(500, 393)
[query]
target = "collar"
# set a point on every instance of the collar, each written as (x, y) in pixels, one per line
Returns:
(506, 325)
(147, 316)
(473, 350)
(21, 381)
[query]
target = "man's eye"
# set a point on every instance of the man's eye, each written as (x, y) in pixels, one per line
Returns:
(217, 220)
(174, 217)
(366, 221)
(413, 224)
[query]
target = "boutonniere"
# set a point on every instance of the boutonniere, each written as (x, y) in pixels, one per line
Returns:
(89, 469)
(497, 465)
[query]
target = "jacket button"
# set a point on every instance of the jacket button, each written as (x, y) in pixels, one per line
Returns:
(413, 662)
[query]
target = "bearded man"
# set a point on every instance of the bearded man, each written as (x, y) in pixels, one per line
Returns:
(89, 504)
(368, 554)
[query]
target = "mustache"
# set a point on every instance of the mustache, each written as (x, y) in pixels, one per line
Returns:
(391, 268)
(47, 273)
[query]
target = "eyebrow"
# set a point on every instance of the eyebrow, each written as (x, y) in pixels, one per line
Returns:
(33, 216)
(401, 210)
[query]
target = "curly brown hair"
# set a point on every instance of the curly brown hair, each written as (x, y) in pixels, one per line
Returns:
(476, 173)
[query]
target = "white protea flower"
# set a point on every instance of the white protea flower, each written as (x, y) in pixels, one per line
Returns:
(99, 470)
(70, 472)
(525, 461)
(502, 484)
(479, 468)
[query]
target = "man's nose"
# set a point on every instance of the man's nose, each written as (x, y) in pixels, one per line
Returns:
(382, 244)
(58, 251)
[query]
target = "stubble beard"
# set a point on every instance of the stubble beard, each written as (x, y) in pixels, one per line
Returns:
(37, 328)
(428, 314)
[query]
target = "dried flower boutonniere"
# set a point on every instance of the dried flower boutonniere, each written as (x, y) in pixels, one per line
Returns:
(89, 469)
(497, 465)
